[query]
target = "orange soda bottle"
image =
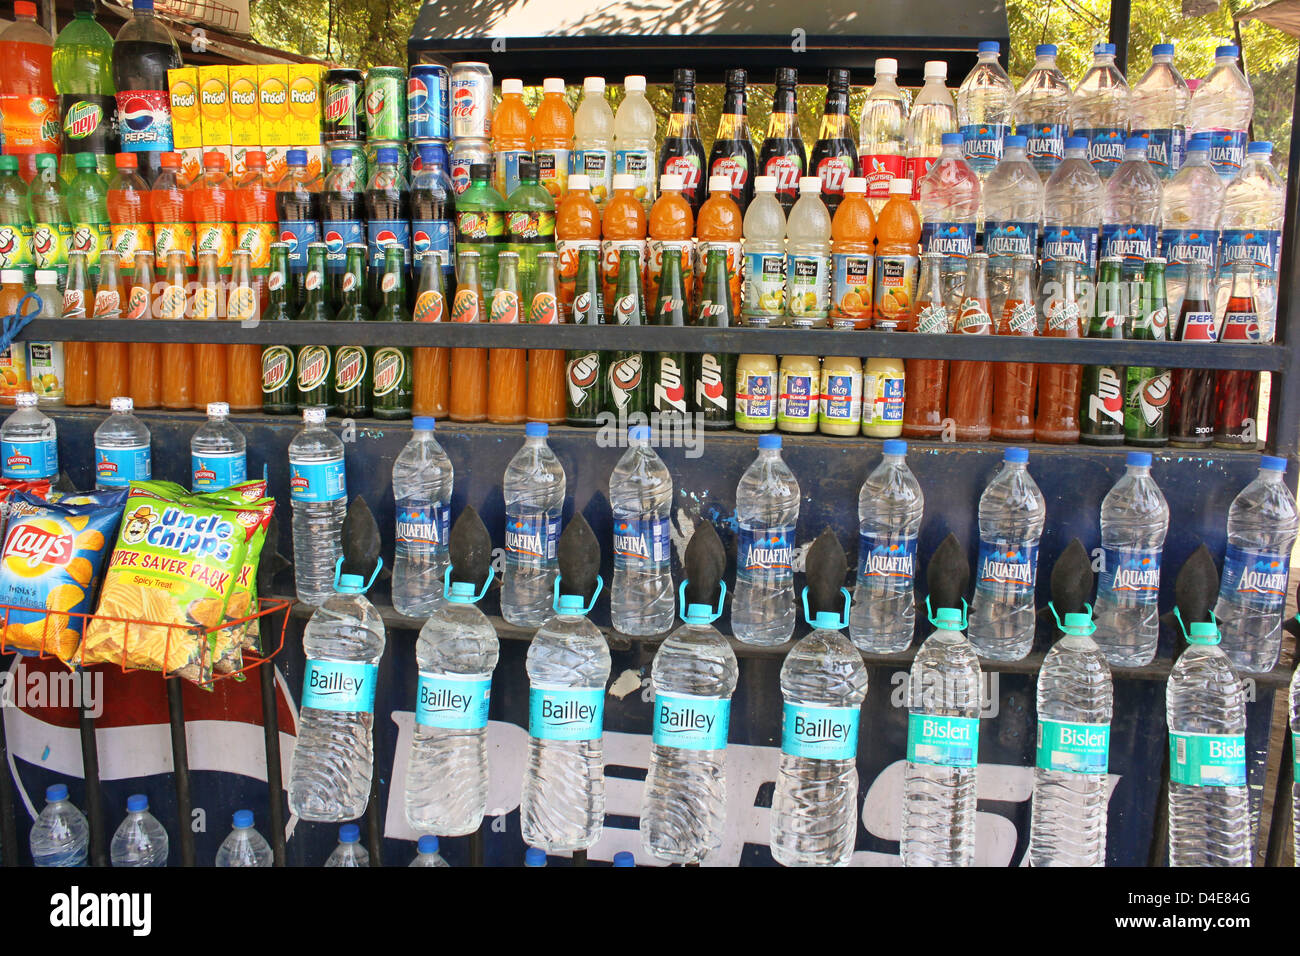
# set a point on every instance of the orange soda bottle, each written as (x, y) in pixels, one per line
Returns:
(671, 220)
(623, 226)
(429, 366)
(898, 232)
(13, 360)
(853, 246)
(243, 362)
(469, 370)
(507, 386)
(512, 136)
(212, 203)
(546, 367)
(129, 214)
(143, 358)
(720, 225)
(177, 357)
(577, 223)
(112, 376)
(256, 221)
(173, 215)
(78, 357)
(553, 140)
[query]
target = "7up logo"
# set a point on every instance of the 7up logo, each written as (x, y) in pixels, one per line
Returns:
(376, 100)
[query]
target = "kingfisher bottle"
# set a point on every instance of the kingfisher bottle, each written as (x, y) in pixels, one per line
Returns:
(352, 374)
(393, 385)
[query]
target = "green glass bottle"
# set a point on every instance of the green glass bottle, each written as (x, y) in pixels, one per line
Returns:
(1146, 388)
(393, 383)
(279, 385)
(15, 222)
(668, 375)
(628, 391)
(315, 362)
(713, 375)
(352, 384)
(530, 225)
(1101, 403)
(87, 199)
(586, 385)
(481, 225)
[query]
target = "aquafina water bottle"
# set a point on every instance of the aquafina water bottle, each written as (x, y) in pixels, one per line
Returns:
(244, 847)
(641, 496)
(318, 490)
(1072, 210)
(1099, 110)
(767, 511)
(422, 484)
(1223, 106)
(984, 102)
(1191, 211)
(1159, 112)
(534, 493)
(1042, 111)
(1131, 208)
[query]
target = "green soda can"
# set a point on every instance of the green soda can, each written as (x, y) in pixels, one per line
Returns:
(386, 103)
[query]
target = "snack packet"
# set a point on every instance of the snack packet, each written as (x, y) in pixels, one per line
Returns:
(232, 641)
(49, 566)
(40, 488)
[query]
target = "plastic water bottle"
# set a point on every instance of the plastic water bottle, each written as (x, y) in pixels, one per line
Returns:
(245, 846)
(447, 772)
(1072, 210)
(1159, 111)
(334, 758)
(933, 114)
(534, 493)
(1223, 106)
(1131, 208)
(218, 452)
(422, 483)
(767, 510)
(1253, 208)
(950, 203)
(1294, 700)
(60, 834)
(1193, 205)
(881, 135)
(318, 491)
(1075, 701)
(562, 804)
(1011, 514)
(1209, 803)
(1099, 110)
(1042, 111)
(943, 709)
(140, 840)
(764, 300)
(427, 852)
(349, 852)
(122, 453)
(890, 507)
(29, 445)
(815, 805)
(684, 803)
(984, 113)
(1262, 523)
(1013, 210)
(641, 497)
(1134, 520)
(534, 857)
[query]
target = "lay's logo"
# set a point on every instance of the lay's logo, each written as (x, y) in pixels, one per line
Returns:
(36, 546)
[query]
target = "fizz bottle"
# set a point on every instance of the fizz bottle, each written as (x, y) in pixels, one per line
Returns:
(732, 154)
(782, 154)
(682, 153)
(834, 157)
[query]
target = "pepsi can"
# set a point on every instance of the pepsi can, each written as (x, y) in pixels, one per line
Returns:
(464, 154)
(471, 101)
(428, 102)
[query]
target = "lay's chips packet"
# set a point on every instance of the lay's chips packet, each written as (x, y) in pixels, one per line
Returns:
(50, 565)
(8, 486)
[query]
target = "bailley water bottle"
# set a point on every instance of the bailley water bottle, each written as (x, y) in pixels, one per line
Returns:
(319, 493)
(950, 203)
(1099, 110)
(349, 852)
(767, 510)
(426, 852)
(683, 806)
(1159, 112)
(1254, 205)
(815, 805)
(1223, 106)
(1042, 111)
(984, 110)
(890, 507)
(244, 846)
(333, 759)
(218, 452)
(1262, 523)
(1209, 803)
(562, 806)
(447, 772)
(29, 445)
(1191, 209)
(1134, 520)
(1075, 702)
(534, 493)
(122, 451)
(1072, 210)
(140, 839)
(422, 483)
(60, 834)
(943, 701)
(1011, 522)
(1131, 208)
(641, 497)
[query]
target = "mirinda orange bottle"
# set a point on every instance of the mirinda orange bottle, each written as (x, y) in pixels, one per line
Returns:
(671, 221)
(719, 225)
(623, 226)
(898, 234)
(553, 139)
(469, 366)
(853, 246)
(577, 223)
(512, 136)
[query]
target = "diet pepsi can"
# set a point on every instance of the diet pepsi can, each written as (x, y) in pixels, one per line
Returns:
(428, 102)
(464, 154)
(471, 101)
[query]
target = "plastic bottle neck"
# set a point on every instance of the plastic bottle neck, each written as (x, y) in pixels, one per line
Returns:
(1045, 61)
(1135, 155)
(1270, 475)
(1139, 471)
(1076, 153)
(1014, 154)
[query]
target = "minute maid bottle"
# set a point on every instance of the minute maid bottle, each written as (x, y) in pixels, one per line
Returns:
(823, 683)
(683, 807)
(562, 807)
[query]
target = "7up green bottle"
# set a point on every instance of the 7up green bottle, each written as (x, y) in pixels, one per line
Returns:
(51, 231)
(352, 384)
(713, 375)
(15, 222)
(315, 362)
(668, 377)
(586, 386)
(627, 379)
(1147, 389)
(393, 383)
(1101, 404)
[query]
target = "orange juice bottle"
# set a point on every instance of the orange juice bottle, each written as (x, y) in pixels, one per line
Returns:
(898, 232)
(671, 220)
(13, 359)
(512, 136)
(623, 226)
(720, 225)
(577, 223)
(553, 140)
(853, 244)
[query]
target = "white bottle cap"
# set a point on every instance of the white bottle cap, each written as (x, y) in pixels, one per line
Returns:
(855, 184)
(11, 276)
(218, 409)
(624, 181)
(314, 415)
(936, 69)
(668, 182)
(511, 86)
(887, 64)
(720, 183)
(25, 399)
(762, 184)
(579, 181)
(593, 84)
(810, 184)
(900, 187)
(47, 277)
(634, 84)
(553, 84)
(121, 403)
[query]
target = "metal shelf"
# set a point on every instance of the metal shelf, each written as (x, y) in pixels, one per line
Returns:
(1217, 355)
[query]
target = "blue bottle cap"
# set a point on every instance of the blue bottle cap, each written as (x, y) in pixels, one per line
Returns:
(950, 139)
(624, 858)
(1076, 142)
(1203, 632)
(827, 621)
(141, 4)
(350, 584)
(1260, 146)
(989, 46)
(349, 833)
(1162, 49)
(639, 433)
(1199, 143)
(243, 819)
(1045, 49)
(1272, 463)
(428, 151)
(1228, 50)
(56, 792)
(1013, 142)
(427, 844)
(338, 156)
(1103, 49)
(1016, 455)
(137, 802)
(948, 619)
(698, 614)
(1136, 142)
(534, 856)
(1080, 624)
(461, 592)
(386, 154)
(894, 446)
(769, 441)
(1141, 459)
(424, 423)
(294, 157)
(570, 604)
(536, 430)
